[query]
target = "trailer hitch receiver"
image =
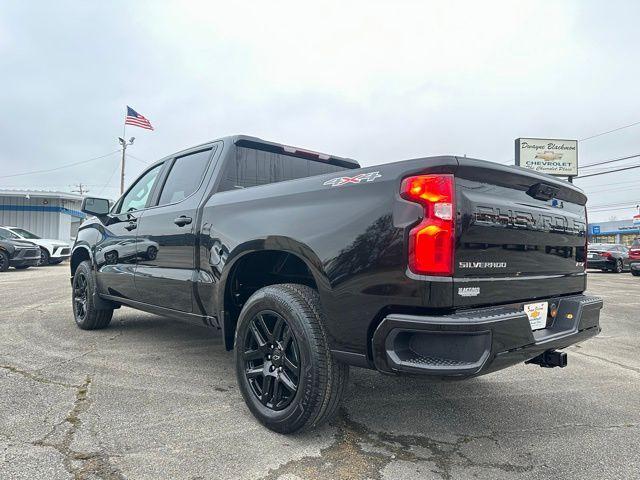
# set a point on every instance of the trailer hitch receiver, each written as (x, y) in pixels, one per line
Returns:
(550, 359)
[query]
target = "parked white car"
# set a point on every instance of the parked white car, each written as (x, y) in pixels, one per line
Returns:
(51, 251)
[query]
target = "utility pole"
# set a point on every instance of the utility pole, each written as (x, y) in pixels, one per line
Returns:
(124, 145)
(80, 188)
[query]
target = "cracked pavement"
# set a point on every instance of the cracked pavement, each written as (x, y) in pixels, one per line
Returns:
(151, 398)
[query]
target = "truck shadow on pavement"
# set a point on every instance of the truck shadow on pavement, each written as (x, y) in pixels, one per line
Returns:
(383, 419)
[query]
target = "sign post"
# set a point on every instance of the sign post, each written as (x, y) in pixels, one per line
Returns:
(551, 156)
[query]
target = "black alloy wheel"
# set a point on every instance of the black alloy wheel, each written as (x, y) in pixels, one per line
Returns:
(285, 370)
(89, 311)
(80, 296)
(272, 360)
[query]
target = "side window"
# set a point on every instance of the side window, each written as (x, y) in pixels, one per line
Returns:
(252, 167)
(136, 198)
(185, 177)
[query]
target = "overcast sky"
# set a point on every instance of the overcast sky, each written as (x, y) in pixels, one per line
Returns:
(375, 81)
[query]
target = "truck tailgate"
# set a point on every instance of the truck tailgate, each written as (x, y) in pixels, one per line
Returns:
(520, 235)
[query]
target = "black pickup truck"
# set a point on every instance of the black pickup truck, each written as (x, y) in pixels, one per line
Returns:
(444, 267)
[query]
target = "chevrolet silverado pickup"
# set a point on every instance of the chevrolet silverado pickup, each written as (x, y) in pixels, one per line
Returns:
(442, 267)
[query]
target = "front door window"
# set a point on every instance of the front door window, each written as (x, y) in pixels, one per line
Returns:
(137, 196)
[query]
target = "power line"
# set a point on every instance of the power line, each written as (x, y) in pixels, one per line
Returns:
(606, 209)
(591, 192)
(611, 161)
(108, 181)
(608, 168)
(616, 189)
(615, 204)
(608, 171)
(139, 159)
(60, 167)
(609, 131)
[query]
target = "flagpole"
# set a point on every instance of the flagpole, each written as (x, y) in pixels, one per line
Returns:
(138, 120)
(124, 148)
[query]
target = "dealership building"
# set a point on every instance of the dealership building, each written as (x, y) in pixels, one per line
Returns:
(617, 231)
(47, 214)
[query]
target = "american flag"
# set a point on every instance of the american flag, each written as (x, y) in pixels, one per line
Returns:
(137, 120)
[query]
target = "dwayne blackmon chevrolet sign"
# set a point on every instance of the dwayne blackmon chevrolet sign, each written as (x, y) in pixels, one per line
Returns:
(555, 157)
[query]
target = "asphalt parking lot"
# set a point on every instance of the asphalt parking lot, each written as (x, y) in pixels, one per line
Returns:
(149, 398)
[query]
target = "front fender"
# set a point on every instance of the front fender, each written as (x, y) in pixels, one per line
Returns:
(80, 252)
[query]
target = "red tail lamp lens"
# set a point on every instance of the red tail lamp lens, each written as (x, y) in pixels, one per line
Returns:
(432, 241)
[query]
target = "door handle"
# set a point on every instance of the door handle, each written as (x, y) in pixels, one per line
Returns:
(131, 226)
(181, 221)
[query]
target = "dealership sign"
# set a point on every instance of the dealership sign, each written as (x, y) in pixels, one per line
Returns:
(555, 157)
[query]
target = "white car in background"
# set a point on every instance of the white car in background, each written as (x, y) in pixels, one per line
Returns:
(51, 251)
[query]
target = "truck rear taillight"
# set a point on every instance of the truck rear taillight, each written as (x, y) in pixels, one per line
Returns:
(432, 241)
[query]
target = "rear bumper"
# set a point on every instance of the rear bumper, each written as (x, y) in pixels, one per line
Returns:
(476, 342)
(601, 264)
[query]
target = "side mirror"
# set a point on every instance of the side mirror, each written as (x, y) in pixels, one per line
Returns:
(97, 207)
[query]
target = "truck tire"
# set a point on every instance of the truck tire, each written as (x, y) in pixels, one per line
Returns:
(285, 370)
(4, 261)
(87, 316)
(635, 273)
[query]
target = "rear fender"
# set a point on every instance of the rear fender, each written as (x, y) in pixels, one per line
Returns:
(271, 243)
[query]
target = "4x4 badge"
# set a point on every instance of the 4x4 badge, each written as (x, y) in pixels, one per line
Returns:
(363, 177)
